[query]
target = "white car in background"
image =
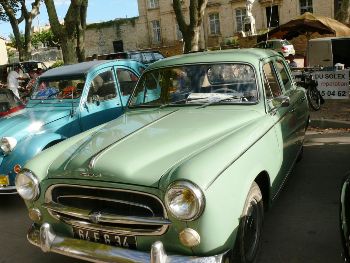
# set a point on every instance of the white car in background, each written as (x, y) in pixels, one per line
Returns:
(282, 46)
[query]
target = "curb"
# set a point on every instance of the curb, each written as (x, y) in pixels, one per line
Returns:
(328, 123)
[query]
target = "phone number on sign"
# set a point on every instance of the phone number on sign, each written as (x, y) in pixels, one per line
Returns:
(329, 93)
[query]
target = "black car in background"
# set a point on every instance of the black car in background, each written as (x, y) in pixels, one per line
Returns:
(146, 57)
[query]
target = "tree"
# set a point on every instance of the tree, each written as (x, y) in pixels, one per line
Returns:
(190, 32)
(71, 34)
(45, 37)
(343, 13)
(8, 12)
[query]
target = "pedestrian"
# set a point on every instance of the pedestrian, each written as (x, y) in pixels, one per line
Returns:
(292, 63)
(13, 80)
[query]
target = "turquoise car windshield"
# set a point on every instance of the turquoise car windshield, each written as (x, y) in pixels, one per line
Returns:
(196, 84)
(60, 88)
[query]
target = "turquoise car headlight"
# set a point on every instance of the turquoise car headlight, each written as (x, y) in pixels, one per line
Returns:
(7, 144)
(27, 185)
(184, 200)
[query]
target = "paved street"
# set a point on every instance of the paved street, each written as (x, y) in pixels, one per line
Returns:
(302, 225)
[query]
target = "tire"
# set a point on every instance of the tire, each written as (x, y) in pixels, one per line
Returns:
(314, 99)
(344, 218)
(249, 231)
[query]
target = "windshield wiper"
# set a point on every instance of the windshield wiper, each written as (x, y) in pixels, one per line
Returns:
(242, 98)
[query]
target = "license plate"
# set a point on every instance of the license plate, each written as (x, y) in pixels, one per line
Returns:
(105, 238)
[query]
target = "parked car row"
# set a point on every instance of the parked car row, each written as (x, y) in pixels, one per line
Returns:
(203, 145)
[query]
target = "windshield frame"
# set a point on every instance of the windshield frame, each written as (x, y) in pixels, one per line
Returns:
(221, 103)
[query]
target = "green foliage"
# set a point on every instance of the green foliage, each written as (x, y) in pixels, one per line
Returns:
(117, 23)
(14, 5)
(58, 63)
(45, 37)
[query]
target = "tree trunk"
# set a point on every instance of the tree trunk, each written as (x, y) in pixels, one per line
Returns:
(71, 35)
(68, 51)
(343, 13)
(25, 48)
(191, 31)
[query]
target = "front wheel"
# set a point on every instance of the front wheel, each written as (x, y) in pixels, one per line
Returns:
(314, 98)
(250, 226)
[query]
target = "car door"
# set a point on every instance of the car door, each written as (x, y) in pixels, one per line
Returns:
(283, 118)
(102, 101)
(298, 101)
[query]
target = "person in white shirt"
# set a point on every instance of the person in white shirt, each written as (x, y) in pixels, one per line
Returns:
(12, 80)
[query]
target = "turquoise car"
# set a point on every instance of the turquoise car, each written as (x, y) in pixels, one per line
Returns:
(65, 101)
(185, 175)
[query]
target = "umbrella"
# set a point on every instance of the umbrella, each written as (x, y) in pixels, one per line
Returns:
(306, 24)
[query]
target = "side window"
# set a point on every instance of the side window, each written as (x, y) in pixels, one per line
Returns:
(271, 84)
(283, 74)
(147, 57)
(127, 81)
(102, 87)
(136, 56)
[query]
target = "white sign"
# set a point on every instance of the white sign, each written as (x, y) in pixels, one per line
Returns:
(333, 84)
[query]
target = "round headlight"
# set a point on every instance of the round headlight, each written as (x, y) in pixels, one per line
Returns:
(27, 185)
(7, 144)
(184, 200)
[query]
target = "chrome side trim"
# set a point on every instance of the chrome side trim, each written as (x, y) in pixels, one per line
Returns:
(45, 238)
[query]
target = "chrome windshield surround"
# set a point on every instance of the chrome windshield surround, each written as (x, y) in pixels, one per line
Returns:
(102, 221)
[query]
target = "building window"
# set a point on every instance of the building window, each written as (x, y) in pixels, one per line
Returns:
(153, 3)
(178, 33)
(306, 6)
(240, 15)
(156, 31)
(214, 23)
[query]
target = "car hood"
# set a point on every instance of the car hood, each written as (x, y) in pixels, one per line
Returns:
(29, 120)
(141, 146)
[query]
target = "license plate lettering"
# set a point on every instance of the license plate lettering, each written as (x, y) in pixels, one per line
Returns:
(105, 238)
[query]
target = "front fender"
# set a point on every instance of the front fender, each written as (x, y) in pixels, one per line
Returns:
(25, 150)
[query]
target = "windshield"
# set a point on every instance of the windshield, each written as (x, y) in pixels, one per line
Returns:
(61, 88)
(196, 84)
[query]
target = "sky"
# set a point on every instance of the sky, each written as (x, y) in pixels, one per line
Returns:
(98, 11)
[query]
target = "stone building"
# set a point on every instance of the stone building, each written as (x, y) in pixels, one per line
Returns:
(3, 51)
(156, 26)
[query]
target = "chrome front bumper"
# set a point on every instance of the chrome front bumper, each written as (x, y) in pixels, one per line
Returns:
(6, 190)
(45, 238)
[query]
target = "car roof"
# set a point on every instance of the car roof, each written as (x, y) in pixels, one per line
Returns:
(83, 68)
(229, 55)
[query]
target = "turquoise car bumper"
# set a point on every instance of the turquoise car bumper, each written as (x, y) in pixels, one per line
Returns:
(45, 238)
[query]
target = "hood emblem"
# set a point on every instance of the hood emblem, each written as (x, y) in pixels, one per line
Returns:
(95, 217)
(91, 175)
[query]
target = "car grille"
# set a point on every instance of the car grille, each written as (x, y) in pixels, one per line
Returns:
(104, 209)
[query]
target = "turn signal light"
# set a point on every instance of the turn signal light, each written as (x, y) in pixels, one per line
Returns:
(4, 180)
(17, 168)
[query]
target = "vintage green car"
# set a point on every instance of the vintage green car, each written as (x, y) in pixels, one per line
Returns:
(184, 175)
